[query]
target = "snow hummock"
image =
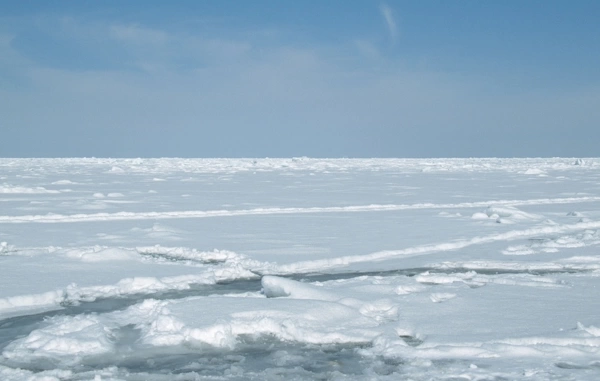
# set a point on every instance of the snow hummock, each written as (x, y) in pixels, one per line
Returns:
(504, 214)
(12, 189)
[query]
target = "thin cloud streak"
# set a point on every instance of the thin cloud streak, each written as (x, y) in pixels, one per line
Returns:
(388, 16)
(138, 35)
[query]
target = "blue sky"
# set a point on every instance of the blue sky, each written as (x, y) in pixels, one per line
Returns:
(300, 78)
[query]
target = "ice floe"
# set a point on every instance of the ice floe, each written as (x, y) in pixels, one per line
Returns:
(299, 268)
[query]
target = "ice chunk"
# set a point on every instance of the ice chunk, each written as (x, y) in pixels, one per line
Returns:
(439, 297)
(274, 287)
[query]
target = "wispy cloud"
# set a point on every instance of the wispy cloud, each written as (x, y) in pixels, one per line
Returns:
(274, 99)
(388, 16)
(138, 35)
(367, 49)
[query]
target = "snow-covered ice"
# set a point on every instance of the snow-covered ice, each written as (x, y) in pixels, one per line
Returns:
(344, 269)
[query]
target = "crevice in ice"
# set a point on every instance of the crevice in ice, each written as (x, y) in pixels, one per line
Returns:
(411, 340)
(438, 269)
(252, 356)
(20, 326)
(571, 365)
(170, 258)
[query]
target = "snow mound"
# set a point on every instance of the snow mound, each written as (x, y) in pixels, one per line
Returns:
(10, 189)
(273, 287)
(554, 244)
(100, 253)
(591, 330)
(67, 338)
(193, 255)
(535, 171)
(64, 182)
(220, 322)
(5, 248)
(440, 297)
(504, 214)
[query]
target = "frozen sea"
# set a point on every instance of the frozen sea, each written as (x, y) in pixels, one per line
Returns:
(299, 269)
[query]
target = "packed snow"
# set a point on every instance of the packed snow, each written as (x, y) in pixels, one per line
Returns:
(270, 269)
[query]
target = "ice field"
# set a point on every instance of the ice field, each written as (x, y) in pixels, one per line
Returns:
(293, 269)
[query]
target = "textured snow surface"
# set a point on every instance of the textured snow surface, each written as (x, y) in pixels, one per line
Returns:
(270, 269)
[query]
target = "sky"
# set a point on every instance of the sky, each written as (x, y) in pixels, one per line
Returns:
(317, 78)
